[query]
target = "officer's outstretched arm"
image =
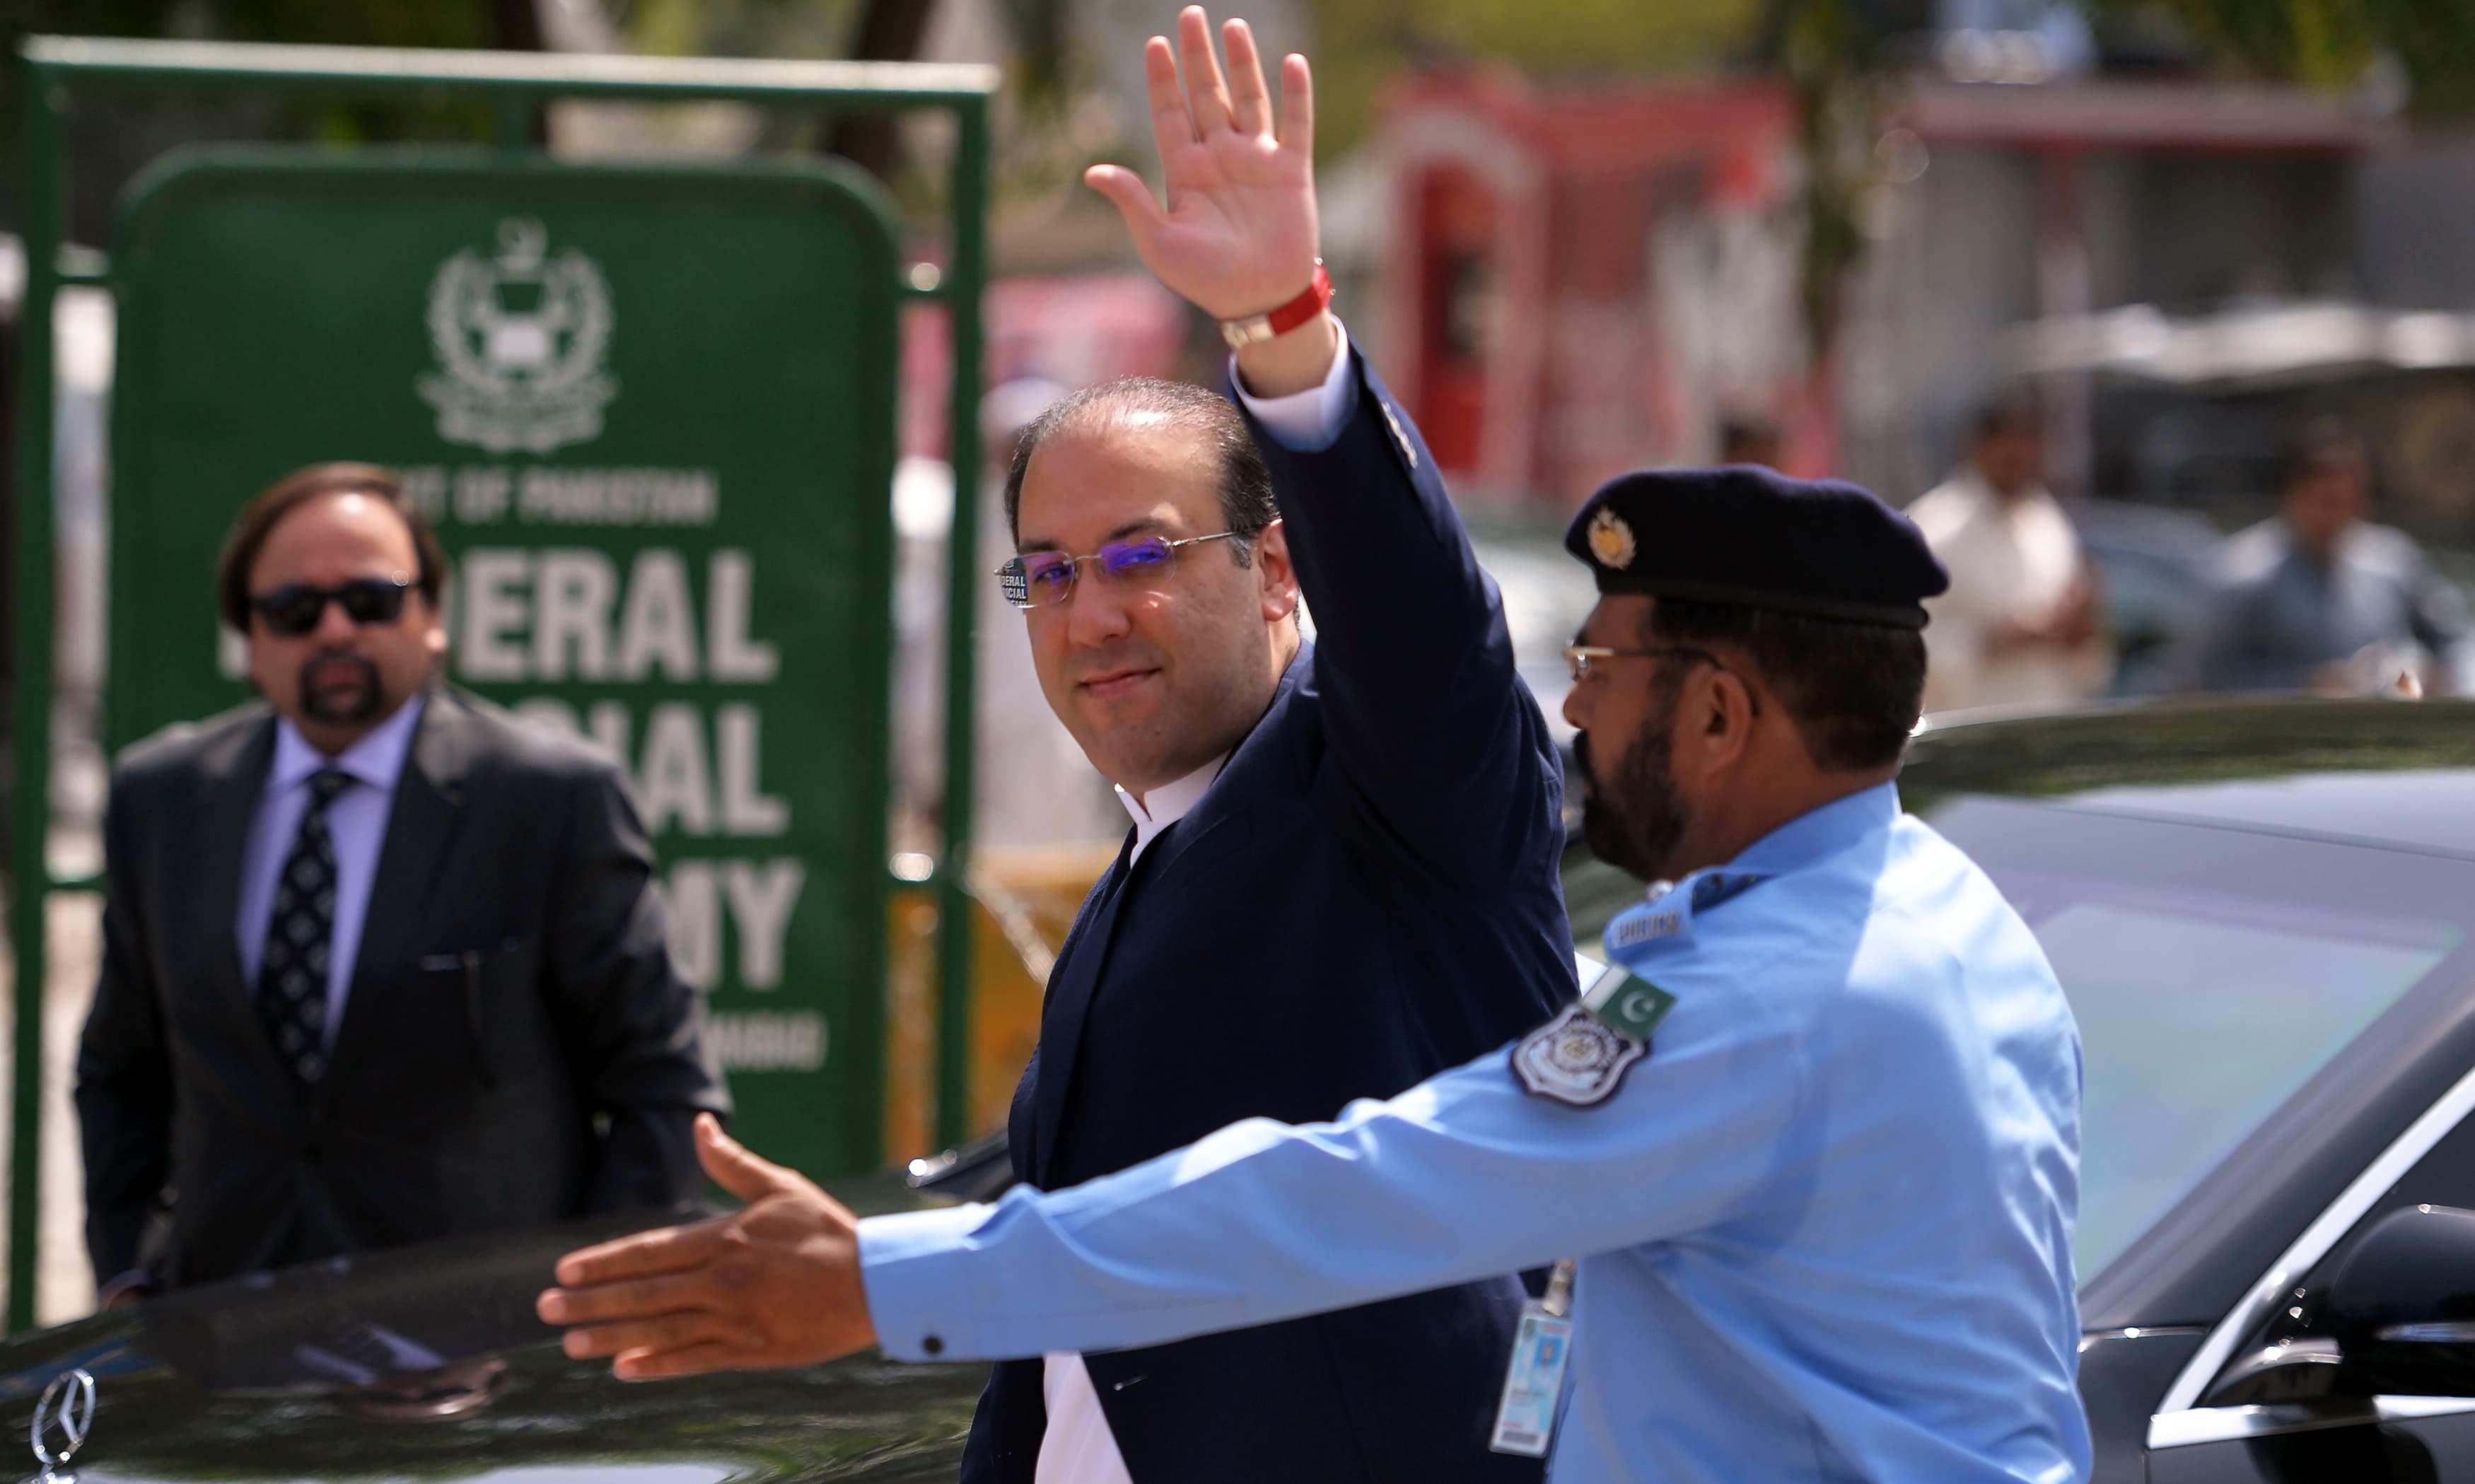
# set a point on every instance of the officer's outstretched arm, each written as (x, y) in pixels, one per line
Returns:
(1461, 1176)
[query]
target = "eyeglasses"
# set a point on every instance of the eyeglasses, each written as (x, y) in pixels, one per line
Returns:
(1578, 658)
(1045, 577)
(295, 608)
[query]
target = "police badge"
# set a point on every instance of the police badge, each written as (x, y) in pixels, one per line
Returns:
(1610, 539)
(1576, 1059)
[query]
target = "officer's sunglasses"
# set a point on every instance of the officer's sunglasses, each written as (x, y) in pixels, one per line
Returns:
(295, 608)
(1042, 578)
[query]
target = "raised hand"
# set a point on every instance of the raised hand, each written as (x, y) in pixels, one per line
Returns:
(1238, 234)
(774, 1284)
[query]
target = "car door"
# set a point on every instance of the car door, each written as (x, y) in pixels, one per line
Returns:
(2256, 1404)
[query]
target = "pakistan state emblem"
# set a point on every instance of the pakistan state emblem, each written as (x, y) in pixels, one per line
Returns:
(520, 338)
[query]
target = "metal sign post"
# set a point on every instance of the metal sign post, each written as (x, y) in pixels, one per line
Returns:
(649, 411)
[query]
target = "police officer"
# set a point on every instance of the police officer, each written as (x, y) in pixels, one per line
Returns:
(1810, 1144)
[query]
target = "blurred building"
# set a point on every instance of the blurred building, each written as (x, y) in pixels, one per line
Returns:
(1591, 278)
(2008, 204)
(1581, 282)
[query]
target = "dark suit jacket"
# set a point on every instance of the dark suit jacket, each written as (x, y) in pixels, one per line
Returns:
(516, 1047)
(1367, 896)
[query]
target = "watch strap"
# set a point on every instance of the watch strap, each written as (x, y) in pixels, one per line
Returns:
(1255, 329)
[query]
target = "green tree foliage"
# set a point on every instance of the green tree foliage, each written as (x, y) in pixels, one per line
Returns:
(1361, 43)
(102, 133)
(2331, 43)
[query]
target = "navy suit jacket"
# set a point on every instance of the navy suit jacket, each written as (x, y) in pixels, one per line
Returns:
(1367, 896)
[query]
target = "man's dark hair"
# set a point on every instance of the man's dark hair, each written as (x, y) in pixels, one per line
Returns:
(260, 516)
(1246, 504)
(1853, 689)
(2016, 413)
(2315, 447)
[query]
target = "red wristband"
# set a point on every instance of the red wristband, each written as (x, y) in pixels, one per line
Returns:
(1287, 317)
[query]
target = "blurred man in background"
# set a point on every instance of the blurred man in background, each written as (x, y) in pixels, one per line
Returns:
(2019, 626)
(2316, 598)
(381, 964)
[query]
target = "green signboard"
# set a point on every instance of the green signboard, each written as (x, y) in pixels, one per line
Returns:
(651, 414)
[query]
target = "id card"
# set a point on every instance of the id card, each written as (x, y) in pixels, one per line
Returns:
(1526, 1418)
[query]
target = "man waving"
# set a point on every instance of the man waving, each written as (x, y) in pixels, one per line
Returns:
(1341, 873)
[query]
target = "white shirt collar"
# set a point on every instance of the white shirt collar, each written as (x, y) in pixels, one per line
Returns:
(1165, 806)
(375, 760)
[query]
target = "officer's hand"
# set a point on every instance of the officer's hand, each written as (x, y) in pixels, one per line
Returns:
(774, 1284)
(1238, 236)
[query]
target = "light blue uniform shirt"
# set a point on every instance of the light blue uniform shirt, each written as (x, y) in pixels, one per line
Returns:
(1824, 1228)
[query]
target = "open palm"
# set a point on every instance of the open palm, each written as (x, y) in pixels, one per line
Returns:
(1238, 234)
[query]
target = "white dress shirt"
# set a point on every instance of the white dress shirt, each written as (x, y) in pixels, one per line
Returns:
(357, 822)
(1077, 1447)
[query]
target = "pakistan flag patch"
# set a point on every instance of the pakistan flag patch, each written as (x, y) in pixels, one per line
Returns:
(1635, 1007)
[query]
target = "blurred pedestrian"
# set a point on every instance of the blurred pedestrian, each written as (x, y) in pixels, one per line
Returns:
(381, 963)
(1749, 439)
(2318, 599)
(2020, 625)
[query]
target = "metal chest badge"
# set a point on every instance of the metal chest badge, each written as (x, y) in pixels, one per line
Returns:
(1581, 1057)
(1576, 1059)
(1610, 539)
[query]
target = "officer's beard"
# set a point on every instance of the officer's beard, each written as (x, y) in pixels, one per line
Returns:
(1635, 818)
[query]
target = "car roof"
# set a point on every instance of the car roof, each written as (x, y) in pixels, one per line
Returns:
(2394, 774)
(2416, 809)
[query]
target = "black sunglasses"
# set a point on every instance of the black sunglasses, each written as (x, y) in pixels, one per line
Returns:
(295, 608)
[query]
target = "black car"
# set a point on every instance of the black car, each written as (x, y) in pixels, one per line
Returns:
(2262, 912)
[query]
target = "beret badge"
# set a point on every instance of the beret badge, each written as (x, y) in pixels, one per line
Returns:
(1610, 539)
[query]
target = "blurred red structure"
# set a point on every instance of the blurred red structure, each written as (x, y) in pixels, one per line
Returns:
(1582, 280)
(1587, 280)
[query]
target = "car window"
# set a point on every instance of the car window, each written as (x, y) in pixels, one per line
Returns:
(2154, 976)
(2213, 974)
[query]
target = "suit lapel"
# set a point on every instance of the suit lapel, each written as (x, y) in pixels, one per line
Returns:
(421, 824)
(1076, 977)
(1261, 765)
(1071, 981)
(236, 779)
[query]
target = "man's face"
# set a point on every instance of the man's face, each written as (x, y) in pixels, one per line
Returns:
(2012, 459)
(2325, 498)
(341, 678)
(1633, 815)
(1155, 676)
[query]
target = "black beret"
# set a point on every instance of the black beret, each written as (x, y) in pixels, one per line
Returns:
(1755, 538)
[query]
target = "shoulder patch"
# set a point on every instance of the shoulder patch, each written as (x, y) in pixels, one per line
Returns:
(1576, 1059)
